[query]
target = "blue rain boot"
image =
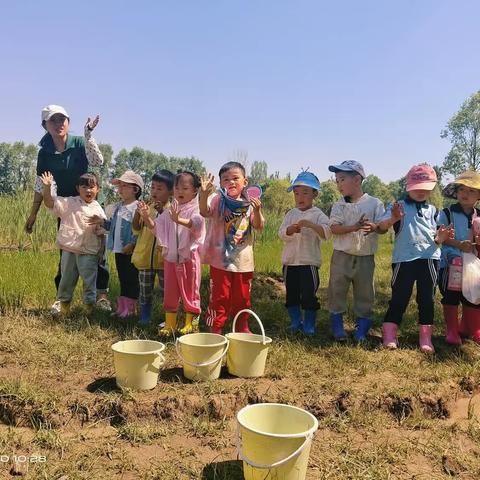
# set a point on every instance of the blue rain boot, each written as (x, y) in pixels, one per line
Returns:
(145, 313)
(309, 322)
(338, 331)
(362, 328)
(295, 315)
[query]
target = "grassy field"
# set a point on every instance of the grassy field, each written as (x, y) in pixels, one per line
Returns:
(382, 415)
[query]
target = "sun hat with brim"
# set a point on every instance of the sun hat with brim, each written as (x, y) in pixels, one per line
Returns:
(305, 179)
(467, 179)
(421, 177)
(50, 110)
(129, 177)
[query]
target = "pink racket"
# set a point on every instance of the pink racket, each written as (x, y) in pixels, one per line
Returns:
(254, 191)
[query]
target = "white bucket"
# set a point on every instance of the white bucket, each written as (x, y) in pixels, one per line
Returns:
(202, 355)
(137, 363)
(274, 441)
(247, 353)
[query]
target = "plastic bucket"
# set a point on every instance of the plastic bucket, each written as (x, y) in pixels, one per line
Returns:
(202, 355)
(137, 363)
(247, 353)
(274, 441)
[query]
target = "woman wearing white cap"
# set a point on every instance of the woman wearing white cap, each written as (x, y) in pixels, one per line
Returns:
(66, 157)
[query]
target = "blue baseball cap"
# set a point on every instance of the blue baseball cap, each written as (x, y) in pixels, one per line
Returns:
(348, 166)
(305, 179)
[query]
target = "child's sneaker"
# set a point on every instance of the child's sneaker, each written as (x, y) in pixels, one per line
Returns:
(104, 304)
(55, 308)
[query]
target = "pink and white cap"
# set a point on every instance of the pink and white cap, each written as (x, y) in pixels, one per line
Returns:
(421, 177)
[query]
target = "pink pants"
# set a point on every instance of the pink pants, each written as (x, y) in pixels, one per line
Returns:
(182, 281)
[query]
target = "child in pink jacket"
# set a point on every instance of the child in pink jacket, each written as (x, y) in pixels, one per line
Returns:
(180, 232)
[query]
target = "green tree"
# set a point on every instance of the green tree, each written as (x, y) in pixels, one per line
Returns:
(327, 196)
(463, 131)
(276, 199)
(376, 188)
(258, 173)
(17, 167)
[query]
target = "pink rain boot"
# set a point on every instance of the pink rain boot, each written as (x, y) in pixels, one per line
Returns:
(130, 306)
(120, 307)
(472, 317)
(450, 313)
(463, 325)
(390, 335)
(425, 338)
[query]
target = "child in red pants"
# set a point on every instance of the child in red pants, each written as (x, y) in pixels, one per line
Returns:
(228, 247)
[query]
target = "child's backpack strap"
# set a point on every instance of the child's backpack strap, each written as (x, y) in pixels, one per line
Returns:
(397, 227)
(448, 214)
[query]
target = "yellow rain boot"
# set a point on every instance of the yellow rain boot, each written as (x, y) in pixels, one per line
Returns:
(65, 308)
(187, 327)
(170, 324)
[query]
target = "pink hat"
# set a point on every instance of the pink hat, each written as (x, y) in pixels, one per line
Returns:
(421, 177)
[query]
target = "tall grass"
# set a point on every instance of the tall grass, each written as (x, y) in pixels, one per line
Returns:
(14, 210)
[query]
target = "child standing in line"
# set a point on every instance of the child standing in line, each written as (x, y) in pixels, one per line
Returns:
(180, 231)
(228, 245)
(416, 255)
(80, 242)
(352, 222)
(302, 231)
(147, 256)
(121, 240)
(466, 190)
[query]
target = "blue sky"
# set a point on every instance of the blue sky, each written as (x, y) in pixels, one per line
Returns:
(293, 83)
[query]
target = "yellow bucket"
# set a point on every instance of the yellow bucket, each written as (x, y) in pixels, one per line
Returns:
(137, 363)
(202, 355)
(274, 441)
(247, 353)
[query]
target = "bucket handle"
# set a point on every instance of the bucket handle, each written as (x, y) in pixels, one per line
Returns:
(204, 364)
(255, 316)
(276, 464)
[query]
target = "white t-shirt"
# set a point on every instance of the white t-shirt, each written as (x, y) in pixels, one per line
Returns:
(303, 248)
(348, 214)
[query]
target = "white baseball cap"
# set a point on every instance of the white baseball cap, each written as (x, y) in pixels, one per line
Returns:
(129, 177)
(50, 110)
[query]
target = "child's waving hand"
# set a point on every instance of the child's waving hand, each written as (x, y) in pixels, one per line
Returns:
(444, 233)
(397, 212)
(47, 178)
(175, 211)
(207, 183)
(142, 208)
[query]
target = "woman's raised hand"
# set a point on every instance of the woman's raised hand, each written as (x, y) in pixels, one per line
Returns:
(91, 124)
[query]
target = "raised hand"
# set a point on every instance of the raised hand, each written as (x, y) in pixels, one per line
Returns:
(91, 124)
(445, 233)
(207, 183)
(143, 208)
(47, 178)
(256, 204)
(397, 212)
(175, 211)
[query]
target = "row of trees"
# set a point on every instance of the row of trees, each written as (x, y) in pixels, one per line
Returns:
(18, 160)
